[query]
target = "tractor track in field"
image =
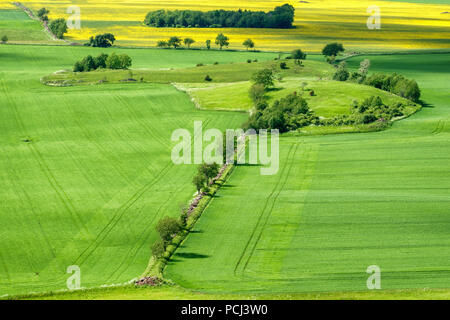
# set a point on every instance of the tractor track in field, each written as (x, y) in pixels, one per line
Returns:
(294, 147)
(145, 125)
(106, 155)
(17, 185)
(142, 235)
(440, 127)
(67, 202)
(274, 200)
(120, 212)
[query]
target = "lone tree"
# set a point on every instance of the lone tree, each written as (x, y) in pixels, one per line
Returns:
(332, 49)
(222, 40)
(4, 39)
(188, 42)
(208, 44)
(105, 40)
(298, 55)
(118, 61)
(58, 27)
(174, 42)
(199, 182)
(162, 44)
(209, 171)
(249, 44)
(43, 14)
(264, 77)
(167, 228)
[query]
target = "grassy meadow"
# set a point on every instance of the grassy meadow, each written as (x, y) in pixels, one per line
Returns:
(317, 22)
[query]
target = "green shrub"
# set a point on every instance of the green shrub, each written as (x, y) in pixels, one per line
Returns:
(158, 249)
(167, 228)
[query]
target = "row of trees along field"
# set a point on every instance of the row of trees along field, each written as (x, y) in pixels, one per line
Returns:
(221, 41)
(281, 17)
(168, 228)
(112, 61)
(58, 27)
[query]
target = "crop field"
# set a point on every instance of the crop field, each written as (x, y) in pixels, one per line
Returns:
(339, 204)
(316, 22)
(16, 23)
(86, 174)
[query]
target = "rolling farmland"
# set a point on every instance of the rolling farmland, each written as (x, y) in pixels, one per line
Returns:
(86, 174)
(316, 22)
(339, 204)
(86, 167)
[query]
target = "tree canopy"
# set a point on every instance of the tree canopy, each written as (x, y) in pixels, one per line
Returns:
(282, 17)
(58, 27)
(102, 40)
(222, 40)
(332, 49)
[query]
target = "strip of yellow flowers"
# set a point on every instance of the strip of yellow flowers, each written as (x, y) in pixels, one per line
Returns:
(403, 25)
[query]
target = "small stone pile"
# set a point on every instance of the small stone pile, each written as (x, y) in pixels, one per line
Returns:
(149, 281)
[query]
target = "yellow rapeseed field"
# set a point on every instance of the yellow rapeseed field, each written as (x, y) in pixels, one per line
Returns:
(404, 25)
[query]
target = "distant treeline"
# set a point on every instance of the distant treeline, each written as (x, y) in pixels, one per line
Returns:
(280, 18)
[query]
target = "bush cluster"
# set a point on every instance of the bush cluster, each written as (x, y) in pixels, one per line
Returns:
(281, 17)
(112, 61)
(286, 114)
(101, 40)
(396, 84)
(368, 111)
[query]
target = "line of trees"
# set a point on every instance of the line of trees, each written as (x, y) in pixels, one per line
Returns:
(105, 40)
(168, 227)
(221, 41)
(112, 61)
(205, 174)
(282, 17)
(58, 27)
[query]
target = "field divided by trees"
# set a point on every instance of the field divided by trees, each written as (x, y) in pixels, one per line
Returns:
(87, 173)
(338, 205)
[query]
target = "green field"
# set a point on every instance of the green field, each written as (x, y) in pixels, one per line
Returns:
(339, 204)
(86, 170)
(19, 28)
(178, 293)
(87, 173)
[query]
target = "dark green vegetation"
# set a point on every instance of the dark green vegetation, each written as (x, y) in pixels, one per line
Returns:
(101, 40)
(333, 49)
(339, 204)
(281, 17)
(112, 61)
(87, 173)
